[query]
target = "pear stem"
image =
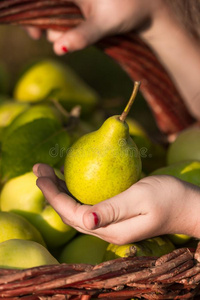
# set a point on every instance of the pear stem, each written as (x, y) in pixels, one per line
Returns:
(130, 102)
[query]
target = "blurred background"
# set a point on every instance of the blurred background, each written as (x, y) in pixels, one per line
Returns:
(18, 51)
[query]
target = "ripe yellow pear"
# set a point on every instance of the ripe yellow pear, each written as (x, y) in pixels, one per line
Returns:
(156, 246)
(49, 79)
(22, 254)
(13, 226)
(105, 162)
(21, 195)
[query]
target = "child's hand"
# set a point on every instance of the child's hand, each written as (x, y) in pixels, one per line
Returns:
(154, 206)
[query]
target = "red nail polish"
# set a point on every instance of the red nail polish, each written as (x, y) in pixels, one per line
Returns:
(96, 219)
(64, 49)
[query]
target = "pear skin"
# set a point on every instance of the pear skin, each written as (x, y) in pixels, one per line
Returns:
(103, 163)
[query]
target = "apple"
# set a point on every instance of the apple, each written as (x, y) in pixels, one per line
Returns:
(185, 147)
(50, 79)
(22, 254)
(22, 196)
(13, 226)
(84, 248)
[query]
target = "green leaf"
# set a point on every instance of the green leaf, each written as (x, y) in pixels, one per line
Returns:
(40, 141)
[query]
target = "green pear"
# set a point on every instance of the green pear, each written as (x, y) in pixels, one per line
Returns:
(185, 170)
(49, 79)
(103, 163)
(13, 226)
(22, 254)
(185, 147)
(9, 110)
(153, 155)
(32, 113)
(179, 239)
(84, 248)
(22, 196)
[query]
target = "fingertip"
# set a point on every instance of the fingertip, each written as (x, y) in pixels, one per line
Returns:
(34, 33)
(91, 220)
(53, 35)
(35, 169)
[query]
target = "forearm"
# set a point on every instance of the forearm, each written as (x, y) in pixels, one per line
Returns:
(179, 53)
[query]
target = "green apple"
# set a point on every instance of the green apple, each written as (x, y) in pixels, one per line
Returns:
(185, 147)
(50, 79)
(22, 254)
(185, 170)
(84, 248)
(13, 226)
(22, 196)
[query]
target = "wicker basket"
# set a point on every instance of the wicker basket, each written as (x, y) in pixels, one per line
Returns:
(172, 276)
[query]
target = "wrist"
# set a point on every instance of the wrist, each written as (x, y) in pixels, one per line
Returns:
(185, 218)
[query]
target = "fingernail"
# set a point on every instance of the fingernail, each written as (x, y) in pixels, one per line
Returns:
(64, 49)
(95, 218)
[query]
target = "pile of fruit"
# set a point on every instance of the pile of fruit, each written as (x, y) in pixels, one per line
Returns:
(51, 108)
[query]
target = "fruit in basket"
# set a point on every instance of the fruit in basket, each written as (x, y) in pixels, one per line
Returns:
(103, 163)
(50, 79)
(153, 155)
(22, 254)
(185, 147)
(13, 226)
(21, 196)
(156, 246)
(34, 112)
(185, 170)
(9, 110)
(84, 248)
(179, 239)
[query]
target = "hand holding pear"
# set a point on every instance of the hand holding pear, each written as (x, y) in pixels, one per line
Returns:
(105, 162)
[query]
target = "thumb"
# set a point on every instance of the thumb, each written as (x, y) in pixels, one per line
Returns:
(87, 33)
(126, 205)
